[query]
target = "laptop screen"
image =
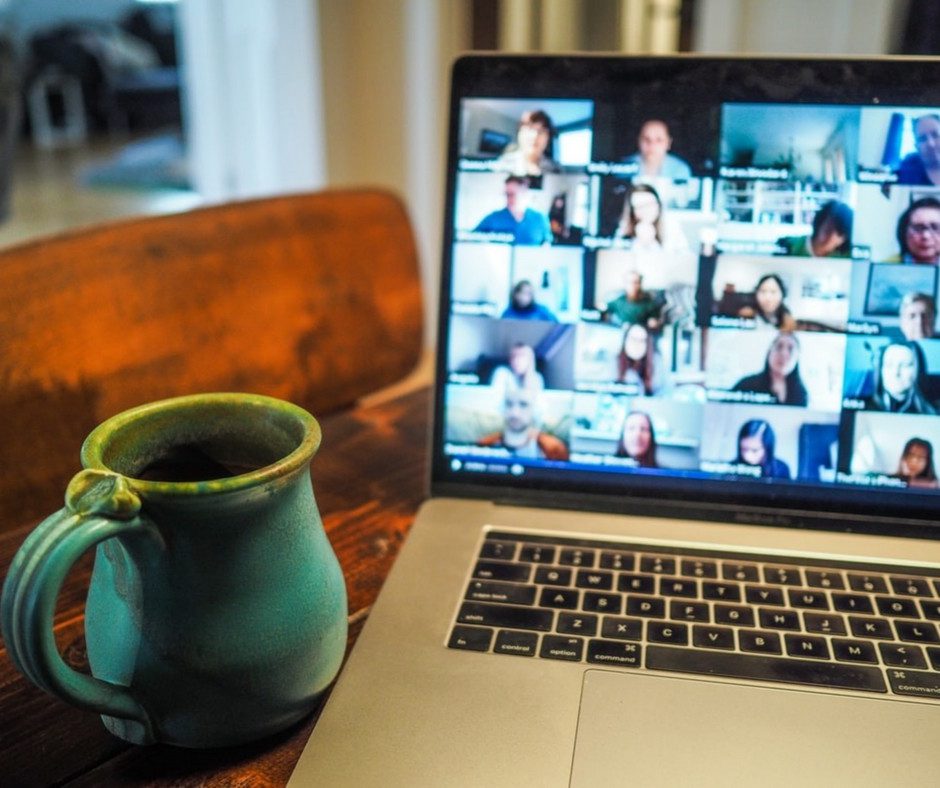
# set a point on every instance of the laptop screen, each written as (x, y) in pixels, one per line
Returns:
(698, 278)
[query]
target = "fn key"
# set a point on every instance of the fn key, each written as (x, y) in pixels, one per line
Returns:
(470, 638)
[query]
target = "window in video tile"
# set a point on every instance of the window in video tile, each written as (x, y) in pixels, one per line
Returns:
(897, 300)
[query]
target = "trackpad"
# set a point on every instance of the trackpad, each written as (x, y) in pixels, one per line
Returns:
(642, 729)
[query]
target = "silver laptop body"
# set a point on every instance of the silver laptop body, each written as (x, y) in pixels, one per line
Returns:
(683, 488)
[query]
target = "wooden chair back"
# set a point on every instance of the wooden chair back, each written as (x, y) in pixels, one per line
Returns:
(314, 298)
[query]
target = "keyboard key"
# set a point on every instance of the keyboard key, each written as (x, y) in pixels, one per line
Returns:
(824, 579)
(622, 628)
(824, 623)
(537, 554)
(746, 666)
(499, 549)
(894, 606)
(721, 592)
(550, 576)
(688, 611)
(913, 682)
(783, 575)
(815, 600)
(931, 609)
(609, 652)
(695, 568)
(638, 584)
(561, 647)
(562, 598)
(873, 584)
(470, 638)
(522, 643)
(595, 580)
(870, 628)
(497, 570)
(712, 637)
(736, 615)
(508, 593)
(742, 572)
(673, 587)
(853, 651)
(852, 603)
(916, 632)
(761, 595)
(779, 619)
(667, 632)
(576, 624)
(657, 565)
(904, 656)
(759, 642)
(806, 646)
(621, 561)
(933, 654)
(505, 616)
(602, 603)
(648, 607)
(910, 586)
(576, 556)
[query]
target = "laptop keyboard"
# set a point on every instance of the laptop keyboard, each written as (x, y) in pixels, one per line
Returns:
(850, 626)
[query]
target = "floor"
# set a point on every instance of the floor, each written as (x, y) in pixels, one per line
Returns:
(48, 198)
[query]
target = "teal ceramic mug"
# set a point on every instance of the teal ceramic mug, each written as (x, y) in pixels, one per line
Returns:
(217, 609)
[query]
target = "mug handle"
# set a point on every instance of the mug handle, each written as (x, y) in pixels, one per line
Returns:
(98, 506)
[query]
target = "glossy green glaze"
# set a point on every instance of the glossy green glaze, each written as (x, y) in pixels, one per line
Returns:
(217, 608)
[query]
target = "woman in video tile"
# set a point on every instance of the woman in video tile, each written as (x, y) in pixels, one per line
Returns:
(780, 376)
(899, 378)
(654, 143)
(637, 362)
(638, 440)
(523, 306)
(922, 168)
(768, 306)
(644, 222)
(756, 445)
(518, 373)
(528, 155)
(916, 464)
(831, 236)
(918, 233)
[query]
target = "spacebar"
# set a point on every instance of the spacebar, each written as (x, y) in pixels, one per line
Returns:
(744, 666)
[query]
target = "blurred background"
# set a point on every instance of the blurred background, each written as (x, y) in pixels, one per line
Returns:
(113, 108)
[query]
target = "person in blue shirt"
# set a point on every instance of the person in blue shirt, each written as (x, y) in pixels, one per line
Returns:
(527, 226)
(523, 306)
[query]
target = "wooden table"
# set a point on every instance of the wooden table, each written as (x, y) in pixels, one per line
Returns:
(369, 479)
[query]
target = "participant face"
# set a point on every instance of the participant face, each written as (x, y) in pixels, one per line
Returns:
(917, 319)
(533, 139)
(898, 370)
(517, 195)
(752, 450)
(769, 296)
(521, 360)
(645, 207)
(654, 141)
(523, 296)
(923, 235)
(915, 460)
(637, 436)
(633, 283)
(635, 342)
(828, 240)
(519, 411)
(927, 139)
(783, 355)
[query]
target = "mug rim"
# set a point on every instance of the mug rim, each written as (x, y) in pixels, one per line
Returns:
(94, 446)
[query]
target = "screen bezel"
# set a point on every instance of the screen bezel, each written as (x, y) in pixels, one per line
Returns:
(707, 82)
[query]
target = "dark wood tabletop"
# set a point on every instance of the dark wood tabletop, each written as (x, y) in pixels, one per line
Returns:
(369, 478)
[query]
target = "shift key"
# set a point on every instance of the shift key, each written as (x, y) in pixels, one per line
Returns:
(505, 616)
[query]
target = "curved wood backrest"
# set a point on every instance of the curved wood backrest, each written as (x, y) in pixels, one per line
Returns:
(314, 298)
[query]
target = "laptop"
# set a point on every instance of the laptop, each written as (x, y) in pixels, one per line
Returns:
(684, 493)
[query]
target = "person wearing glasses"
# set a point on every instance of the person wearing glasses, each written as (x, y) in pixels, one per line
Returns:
(918, 233)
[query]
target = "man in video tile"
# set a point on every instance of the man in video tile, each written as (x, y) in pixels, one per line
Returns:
(917, 316)
(526, 225)
(654, 143)
(635, 305)
(520, 433)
